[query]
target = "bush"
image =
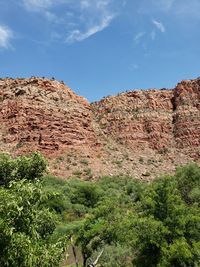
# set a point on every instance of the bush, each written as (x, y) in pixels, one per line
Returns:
(167, 229)
(188, 178)
(135, 224)
(26, 228)
(24, 167)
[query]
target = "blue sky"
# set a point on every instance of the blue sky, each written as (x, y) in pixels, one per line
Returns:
(101, 47)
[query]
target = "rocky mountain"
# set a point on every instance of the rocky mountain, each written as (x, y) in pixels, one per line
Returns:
(142, 133)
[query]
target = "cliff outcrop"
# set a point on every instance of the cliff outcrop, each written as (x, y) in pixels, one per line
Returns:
(158, 119)
(142, 133)
(39, 114)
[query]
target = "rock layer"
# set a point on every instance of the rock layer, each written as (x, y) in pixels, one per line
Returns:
(38, 114)
(158, 119)
(138, 118)
(141, 133)
(187, 116)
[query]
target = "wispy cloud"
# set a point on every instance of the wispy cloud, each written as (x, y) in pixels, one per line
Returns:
(78, 36)
(190, 9)
(96, 15)
(88, 17)
(134, 67)
(159, 25)
(180, 8)
(143, 36)
(164, 5)
(6, 35)
(138, 37)
(184, 7)
(37, 4)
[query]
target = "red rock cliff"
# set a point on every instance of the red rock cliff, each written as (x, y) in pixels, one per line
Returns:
(159, 119)
(141, 133)
(38, 114)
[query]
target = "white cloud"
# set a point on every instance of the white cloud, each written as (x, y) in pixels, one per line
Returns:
(164, 5)
(95, 16)
(6, 35)
(88, 17)
(134, 66)
(154, 6)
(101, 4)
(159, 25)
(138, 37)
(37, 4)
(183, 7)
(78, 36)
(85, 3)
(180, 8)
(189, 9)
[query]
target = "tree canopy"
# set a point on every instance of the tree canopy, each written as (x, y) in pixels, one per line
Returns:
(26, 225)
(115, 221)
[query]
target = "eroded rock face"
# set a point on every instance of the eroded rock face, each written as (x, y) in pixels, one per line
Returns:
(187, 116)
(158, 119)
(138, 118)
(38, 114)
(142, 133)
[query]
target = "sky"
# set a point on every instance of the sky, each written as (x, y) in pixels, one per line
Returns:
(101, 47)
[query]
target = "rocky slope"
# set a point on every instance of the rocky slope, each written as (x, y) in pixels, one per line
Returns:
(38, 114)
(139, 133)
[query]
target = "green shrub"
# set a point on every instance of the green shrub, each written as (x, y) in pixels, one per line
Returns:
(24, 167)
(26, 228)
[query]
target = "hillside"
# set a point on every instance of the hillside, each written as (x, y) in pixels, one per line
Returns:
(139, 133)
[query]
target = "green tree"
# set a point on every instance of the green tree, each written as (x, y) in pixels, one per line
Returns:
(188, 178)
(115, 255)
(24, 167)
(26, 228)
(168, 231)
(104, 226)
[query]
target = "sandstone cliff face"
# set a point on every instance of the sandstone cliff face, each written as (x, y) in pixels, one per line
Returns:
(139, 133)
(187, 116)
(139, 118)
(158, 119)
(38, 114)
